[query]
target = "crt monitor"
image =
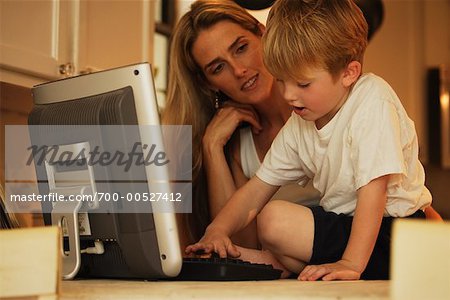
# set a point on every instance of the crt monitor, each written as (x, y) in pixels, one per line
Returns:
(97, 140)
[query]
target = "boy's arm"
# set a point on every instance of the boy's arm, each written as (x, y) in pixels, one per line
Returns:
(239, 211)
(366, 223)
(365, 227)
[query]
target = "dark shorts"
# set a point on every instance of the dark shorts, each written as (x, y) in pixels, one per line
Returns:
(331, 234)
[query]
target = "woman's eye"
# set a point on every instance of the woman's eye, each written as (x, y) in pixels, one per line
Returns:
(242, 48)
(217, 69)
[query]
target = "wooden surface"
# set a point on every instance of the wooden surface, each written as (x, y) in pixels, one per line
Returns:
(29, 262)
(277, 289)
(420, 254)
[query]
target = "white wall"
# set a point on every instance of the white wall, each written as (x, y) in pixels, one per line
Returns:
(414, 36)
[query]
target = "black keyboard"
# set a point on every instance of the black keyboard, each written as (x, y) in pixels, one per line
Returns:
(225, 269)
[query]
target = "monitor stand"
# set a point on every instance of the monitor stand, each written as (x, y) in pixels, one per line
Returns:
(65, 215)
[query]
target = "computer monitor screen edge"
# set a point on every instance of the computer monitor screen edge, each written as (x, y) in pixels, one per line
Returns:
(139, 77)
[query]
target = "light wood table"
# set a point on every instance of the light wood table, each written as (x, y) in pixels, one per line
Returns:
(277, 289)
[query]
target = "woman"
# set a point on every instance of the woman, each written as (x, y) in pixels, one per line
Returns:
(216, 56)
(219, 85)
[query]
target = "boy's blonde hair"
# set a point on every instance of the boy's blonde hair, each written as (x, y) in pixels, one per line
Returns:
(304, 34)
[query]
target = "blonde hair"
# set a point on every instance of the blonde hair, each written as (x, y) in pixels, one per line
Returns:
(304, 34)
(190, 101)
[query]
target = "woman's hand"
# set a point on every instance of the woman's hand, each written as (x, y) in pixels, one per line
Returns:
(214, 241)
(226, 120)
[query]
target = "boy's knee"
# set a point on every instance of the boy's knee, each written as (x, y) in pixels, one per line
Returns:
(269, 222)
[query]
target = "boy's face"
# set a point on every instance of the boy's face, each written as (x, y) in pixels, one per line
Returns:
(317, 98)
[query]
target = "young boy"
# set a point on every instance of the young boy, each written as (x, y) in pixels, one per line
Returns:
(348, 133)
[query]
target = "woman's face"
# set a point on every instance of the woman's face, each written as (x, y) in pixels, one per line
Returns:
(231, 59)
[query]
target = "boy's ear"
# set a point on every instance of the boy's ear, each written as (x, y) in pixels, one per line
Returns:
(351, 73)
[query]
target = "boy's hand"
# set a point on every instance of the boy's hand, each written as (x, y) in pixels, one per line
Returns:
(340, 270)
(214, 241)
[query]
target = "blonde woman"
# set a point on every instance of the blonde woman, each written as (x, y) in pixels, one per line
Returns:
(218, 84)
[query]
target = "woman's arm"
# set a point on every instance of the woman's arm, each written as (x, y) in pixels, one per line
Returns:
(222, 180)
(226, 176)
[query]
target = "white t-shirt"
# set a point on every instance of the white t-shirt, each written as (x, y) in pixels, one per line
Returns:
(370, 136)
(250, 163)
(249, 156)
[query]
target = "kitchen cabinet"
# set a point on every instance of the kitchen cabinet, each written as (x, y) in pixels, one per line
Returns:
(51, 39)
(36, 36)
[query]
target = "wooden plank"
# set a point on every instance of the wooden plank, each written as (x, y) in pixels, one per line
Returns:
(30, 261)
(275, 289)
(420, 260)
